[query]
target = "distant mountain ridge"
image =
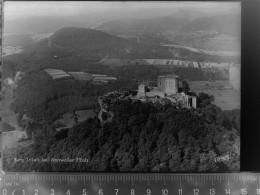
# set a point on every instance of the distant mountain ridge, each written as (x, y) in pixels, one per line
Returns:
(93, 43)
(224, 24)
(154, 24)
(73, 42)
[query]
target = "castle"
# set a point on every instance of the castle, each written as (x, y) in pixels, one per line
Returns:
(167, 87)
(168, 84)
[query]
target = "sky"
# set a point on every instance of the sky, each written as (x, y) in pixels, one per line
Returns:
(24, 9)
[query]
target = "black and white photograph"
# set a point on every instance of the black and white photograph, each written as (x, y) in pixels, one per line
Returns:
(143, 87)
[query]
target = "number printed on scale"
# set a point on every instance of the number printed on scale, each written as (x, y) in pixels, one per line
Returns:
(132, 191)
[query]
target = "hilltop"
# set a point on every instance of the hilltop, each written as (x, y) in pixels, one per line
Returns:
(88, 40)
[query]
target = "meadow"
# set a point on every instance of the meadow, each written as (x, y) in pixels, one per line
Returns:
(225, 96)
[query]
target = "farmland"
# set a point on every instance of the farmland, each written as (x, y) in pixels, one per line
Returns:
(83, 115)
(81, 76)
(39, 37)
(9, 50)
(197, 50)
(68, 120)
(225, 96)
(166, 62)
(57, 74)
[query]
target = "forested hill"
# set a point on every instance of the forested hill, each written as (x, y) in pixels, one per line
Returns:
(83, 39)
(143, 137)
(96, 44)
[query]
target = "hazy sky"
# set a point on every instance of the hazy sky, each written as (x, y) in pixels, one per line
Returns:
(20, 9)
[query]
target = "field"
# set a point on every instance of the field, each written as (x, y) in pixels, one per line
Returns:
(205, 42)
(57, 74)
(121, 62)
(85, 114)
(9, 50)
(225, 96)
(81, 76)
(68, 119)
(39, 37)
(168, 62)
(227, 99)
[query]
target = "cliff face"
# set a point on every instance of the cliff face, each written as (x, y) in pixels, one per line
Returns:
(104, 115)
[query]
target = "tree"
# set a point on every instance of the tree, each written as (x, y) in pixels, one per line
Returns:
(141, 137)
(208, 163)
(204, 99)
(185, 86)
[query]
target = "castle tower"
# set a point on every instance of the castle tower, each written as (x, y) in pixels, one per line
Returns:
(168, 84)
(141, 90)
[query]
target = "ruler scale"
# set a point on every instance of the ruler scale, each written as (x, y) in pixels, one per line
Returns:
(132, 184)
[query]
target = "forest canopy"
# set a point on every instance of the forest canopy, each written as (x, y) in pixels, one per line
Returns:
(142, 137)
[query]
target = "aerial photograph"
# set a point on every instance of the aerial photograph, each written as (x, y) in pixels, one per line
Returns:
(91, 86)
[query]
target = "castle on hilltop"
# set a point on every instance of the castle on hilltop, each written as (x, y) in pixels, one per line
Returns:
(168, 84)
(167, 87)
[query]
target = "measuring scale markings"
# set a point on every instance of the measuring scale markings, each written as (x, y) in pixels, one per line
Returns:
(129, 184)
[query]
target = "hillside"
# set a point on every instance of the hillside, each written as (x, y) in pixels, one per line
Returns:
(77, 46)
(96, 44)
(154, 24)
(142, 137)
(224, 24)
(17, 39)
(40, 25)
(73, 41)
(81, 39)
